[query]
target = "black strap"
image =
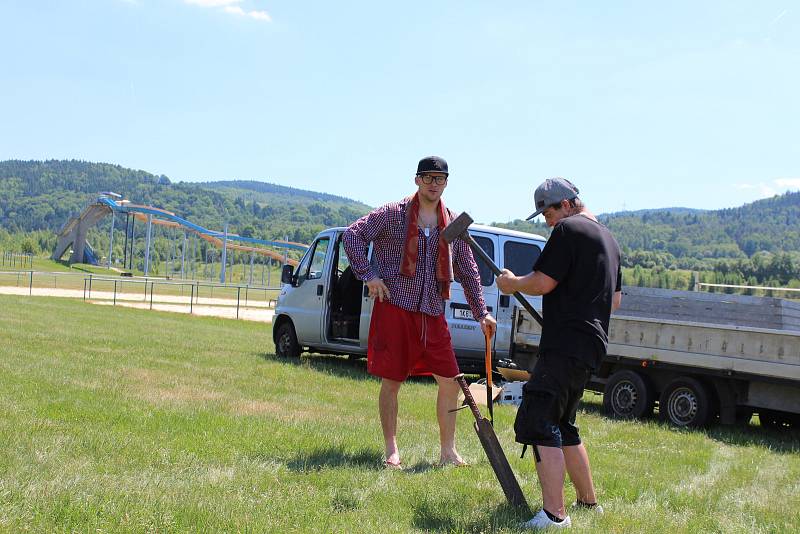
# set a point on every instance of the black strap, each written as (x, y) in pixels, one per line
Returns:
(535, 452)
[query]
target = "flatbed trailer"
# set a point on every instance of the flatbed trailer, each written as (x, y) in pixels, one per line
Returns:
(726, 365)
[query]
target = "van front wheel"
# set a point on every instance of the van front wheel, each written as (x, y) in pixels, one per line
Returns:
(286, 345)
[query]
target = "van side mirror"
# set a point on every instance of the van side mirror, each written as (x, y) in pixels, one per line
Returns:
(287, 274)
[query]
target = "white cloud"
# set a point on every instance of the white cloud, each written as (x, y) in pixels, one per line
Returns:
(212, 3)
(791, 183)
(745, 186)
(231, 7)
(260, 15)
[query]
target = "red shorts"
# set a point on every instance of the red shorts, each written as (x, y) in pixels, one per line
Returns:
(404, 343)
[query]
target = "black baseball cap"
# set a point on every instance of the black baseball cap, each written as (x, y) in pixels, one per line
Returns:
(432, 164)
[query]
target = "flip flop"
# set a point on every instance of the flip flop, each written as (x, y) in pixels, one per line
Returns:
(392, 465)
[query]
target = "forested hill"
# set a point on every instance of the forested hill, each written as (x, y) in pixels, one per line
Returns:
(42, 195)
(757, 243)
(768, 225)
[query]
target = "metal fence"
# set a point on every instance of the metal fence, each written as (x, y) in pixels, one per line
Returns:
(187, 293)
(42, 279)
(23, 278)
(148, 290)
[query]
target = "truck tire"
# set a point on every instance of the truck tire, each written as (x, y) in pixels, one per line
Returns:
(686, 402)
(628, 395)
(777, 420)
(286, 345)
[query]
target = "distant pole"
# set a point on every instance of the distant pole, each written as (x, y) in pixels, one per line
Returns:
(111, 238)
(147, 245)
(193, 264)
(133, 239)
(224, 256)
(252, 259)
(125, 245)
(174, 253)
(263, 264)
(183, 254)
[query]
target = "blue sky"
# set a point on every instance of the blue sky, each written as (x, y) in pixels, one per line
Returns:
(641, 104)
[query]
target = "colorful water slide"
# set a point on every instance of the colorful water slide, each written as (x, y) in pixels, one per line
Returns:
(217, 242)
(74, 231)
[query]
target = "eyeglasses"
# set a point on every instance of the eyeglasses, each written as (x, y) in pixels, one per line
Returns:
(429, 179)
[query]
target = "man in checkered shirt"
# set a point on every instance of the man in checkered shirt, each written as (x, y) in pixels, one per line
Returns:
(410, 279)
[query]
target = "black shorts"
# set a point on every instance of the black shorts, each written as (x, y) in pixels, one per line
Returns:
(550, 400)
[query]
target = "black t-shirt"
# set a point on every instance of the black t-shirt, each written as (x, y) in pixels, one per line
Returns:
(584, 258)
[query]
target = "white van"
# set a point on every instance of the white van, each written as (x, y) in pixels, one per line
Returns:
(323, 308)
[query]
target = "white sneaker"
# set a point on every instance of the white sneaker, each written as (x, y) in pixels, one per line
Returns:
(597, 509)
(540, 522)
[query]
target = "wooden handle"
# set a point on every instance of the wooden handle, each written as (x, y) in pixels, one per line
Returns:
(489, 391)
(488, 361)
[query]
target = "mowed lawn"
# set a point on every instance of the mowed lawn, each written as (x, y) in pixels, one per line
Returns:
(115, 419)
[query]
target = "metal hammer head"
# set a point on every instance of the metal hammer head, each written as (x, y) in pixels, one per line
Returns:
(457, 227)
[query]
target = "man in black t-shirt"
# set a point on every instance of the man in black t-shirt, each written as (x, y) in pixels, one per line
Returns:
(579, 276)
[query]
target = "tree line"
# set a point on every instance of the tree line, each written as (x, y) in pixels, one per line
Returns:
(755, 244)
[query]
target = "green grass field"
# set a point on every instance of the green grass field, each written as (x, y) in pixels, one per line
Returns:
(116, 419)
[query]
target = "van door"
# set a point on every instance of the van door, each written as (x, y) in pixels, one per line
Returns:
(366, 311)
(518, 256)
(468, 341)
(309, 295)
(343, 313)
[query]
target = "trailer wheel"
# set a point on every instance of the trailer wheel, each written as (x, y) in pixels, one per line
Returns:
(685, 402)
(628, 395)
(778, 420)
(286, 345)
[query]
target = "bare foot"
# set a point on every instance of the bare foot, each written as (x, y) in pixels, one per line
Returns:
(392, 465)
(392, 460)
(451, 458)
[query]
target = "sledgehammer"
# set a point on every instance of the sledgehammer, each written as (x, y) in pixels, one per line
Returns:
(458, 228)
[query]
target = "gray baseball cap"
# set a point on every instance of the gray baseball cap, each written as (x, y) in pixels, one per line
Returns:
(552, 191)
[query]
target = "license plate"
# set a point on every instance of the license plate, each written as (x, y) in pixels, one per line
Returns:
(459, 313)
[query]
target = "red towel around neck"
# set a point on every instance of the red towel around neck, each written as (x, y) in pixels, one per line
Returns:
(408, 261)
